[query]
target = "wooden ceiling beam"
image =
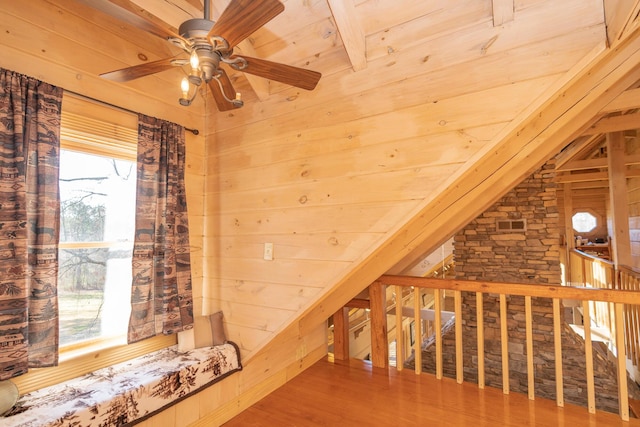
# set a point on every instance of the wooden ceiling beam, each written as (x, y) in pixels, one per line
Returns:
(582, 177)
(614, 124)
(351, 32)
(503, 12)
(593, 176)
(599, 163)
(576, 149)
(628, 100)
(621, 18)
(587, 186)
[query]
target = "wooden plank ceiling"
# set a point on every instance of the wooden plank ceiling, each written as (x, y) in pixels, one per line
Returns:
(344, 26)
(347, 24)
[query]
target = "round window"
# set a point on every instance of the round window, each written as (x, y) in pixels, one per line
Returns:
(584, 222)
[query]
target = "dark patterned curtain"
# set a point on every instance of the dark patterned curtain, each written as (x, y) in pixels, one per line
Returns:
(161, 299)
(29, 223)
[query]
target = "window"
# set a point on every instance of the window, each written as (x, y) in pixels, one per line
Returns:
(97, 211)
(584, 222)
(97, 219)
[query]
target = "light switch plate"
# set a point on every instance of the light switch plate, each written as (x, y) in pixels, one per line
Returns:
(268, 251)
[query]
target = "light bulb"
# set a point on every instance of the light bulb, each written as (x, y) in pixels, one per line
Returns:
(194, 60)
(184, 85)
(238, 96)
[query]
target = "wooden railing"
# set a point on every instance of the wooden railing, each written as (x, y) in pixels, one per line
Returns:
(619, 299)
(590, 271)
(628, 279)
(593, 272)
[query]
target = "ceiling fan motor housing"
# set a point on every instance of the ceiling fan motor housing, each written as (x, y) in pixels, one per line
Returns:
(196, 28)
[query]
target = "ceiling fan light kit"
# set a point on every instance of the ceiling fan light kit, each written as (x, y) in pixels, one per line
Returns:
(210, 43)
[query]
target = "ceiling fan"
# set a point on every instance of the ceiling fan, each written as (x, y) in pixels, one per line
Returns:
(209, 43)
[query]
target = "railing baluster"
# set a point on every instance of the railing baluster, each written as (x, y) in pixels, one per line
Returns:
(438, 331)
(399, 330)
(504, 338)
(588, 353)
(621, 358)
(480, 335)
(622, 284)
(630, 328)
(557, 343)
(417, 328)
(529, 339)
(457, 295)
(635, 324)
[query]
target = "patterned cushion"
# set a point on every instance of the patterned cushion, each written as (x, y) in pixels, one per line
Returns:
(127, 392)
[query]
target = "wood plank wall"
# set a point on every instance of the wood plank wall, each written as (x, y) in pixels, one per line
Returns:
(326, 176)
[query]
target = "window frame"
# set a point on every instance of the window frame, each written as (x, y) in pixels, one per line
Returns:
(594, 230)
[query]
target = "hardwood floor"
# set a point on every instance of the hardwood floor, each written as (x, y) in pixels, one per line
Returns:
(356, 394)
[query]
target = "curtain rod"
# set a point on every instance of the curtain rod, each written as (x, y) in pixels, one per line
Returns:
(193, 131)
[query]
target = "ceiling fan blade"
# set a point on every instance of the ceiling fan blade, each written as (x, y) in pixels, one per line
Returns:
(229, 91)
(241, 18)
(141, 70)
(294, 76)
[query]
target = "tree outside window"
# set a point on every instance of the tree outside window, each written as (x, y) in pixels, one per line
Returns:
(97, 209)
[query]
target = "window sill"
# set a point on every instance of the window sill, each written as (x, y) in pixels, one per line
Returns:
(77, 362)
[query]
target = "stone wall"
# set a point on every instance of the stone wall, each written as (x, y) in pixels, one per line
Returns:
(482, 252)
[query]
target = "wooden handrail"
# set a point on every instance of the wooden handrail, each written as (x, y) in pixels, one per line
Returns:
(533, 290)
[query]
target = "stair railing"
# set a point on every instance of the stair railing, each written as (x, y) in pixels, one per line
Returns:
(618, 298)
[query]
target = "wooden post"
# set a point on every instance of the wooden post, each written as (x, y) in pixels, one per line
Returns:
(379, 340)
(504, 340)
(480, 337)
(341, 334)
(529, 338)
(557, 344)
(618, 199)
(417, 328)
(437, 298)
(457, 296)
(588, 354)
(623, 391)
(399, 330)
(570, 240)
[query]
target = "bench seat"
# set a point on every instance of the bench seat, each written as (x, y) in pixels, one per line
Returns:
(128, 392)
